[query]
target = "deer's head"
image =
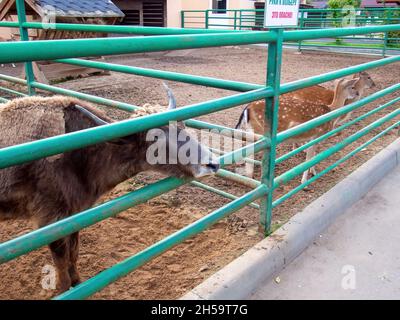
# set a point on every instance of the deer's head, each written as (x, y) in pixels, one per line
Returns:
(365, 81)
(344, 90)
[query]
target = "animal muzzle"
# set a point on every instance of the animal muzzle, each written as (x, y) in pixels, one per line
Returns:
(206, 170)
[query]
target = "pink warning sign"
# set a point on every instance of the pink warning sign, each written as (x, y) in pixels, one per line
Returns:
(281, 13)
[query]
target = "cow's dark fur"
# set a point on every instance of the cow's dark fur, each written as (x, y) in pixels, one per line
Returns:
(50, 189)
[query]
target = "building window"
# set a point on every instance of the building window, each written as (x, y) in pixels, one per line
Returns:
(219, 6)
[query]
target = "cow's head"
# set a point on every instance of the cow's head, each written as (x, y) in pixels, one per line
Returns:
(168, 149)
(173, 150)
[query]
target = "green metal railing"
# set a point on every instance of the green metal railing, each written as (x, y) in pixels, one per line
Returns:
(253, 19)
(69, 52)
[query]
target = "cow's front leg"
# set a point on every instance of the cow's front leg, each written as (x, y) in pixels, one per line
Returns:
(73, 256)
(61, 257)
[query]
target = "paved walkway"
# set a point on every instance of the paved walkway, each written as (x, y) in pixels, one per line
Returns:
(358, 257)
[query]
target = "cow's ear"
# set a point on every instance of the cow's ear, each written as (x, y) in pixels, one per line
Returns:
(100, 122)
(117, 142)
(123, 141)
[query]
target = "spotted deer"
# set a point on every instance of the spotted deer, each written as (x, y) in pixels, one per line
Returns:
(293, 112)
(323, 95)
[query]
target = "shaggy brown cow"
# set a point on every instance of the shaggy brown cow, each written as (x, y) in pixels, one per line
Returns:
(54, 188)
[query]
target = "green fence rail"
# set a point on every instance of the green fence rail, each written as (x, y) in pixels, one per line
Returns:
(253, 19)
(69, 52)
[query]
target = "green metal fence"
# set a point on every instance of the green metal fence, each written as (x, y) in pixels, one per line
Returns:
(253, 19)
(67, 51)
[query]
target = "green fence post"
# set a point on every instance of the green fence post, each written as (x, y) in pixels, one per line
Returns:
(182, 19)
(234, 20)
(30, 77)
(207, 17)
(385, 39)
(271, 126)
(301, 27)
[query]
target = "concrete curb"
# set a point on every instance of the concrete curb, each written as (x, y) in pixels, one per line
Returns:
(241, 277)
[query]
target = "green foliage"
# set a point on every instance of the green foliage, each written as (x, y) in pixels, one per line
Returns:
(338, 4)
(394, 34)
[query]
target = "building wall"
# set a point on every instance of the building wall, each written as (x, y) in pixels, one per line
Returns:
(8, 33)
(206, 4)
(5, 33)
(174, 8)
(241, 4)
(125, 4)
(195, 5)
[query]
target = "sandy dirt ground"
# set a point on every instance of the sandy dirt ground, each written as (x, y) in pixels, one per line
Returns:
(188, 264)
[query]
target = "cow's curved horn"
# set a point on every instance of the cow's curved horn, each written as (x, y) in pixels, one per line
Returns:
(172, 100)
(96, 119)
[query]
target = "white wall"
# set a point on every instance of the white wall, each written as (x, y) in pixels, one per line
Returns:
(174, 8)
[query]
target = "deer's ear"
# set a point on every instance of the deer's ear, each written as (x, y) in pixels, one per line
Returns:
(339, 81)
(351, 82)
